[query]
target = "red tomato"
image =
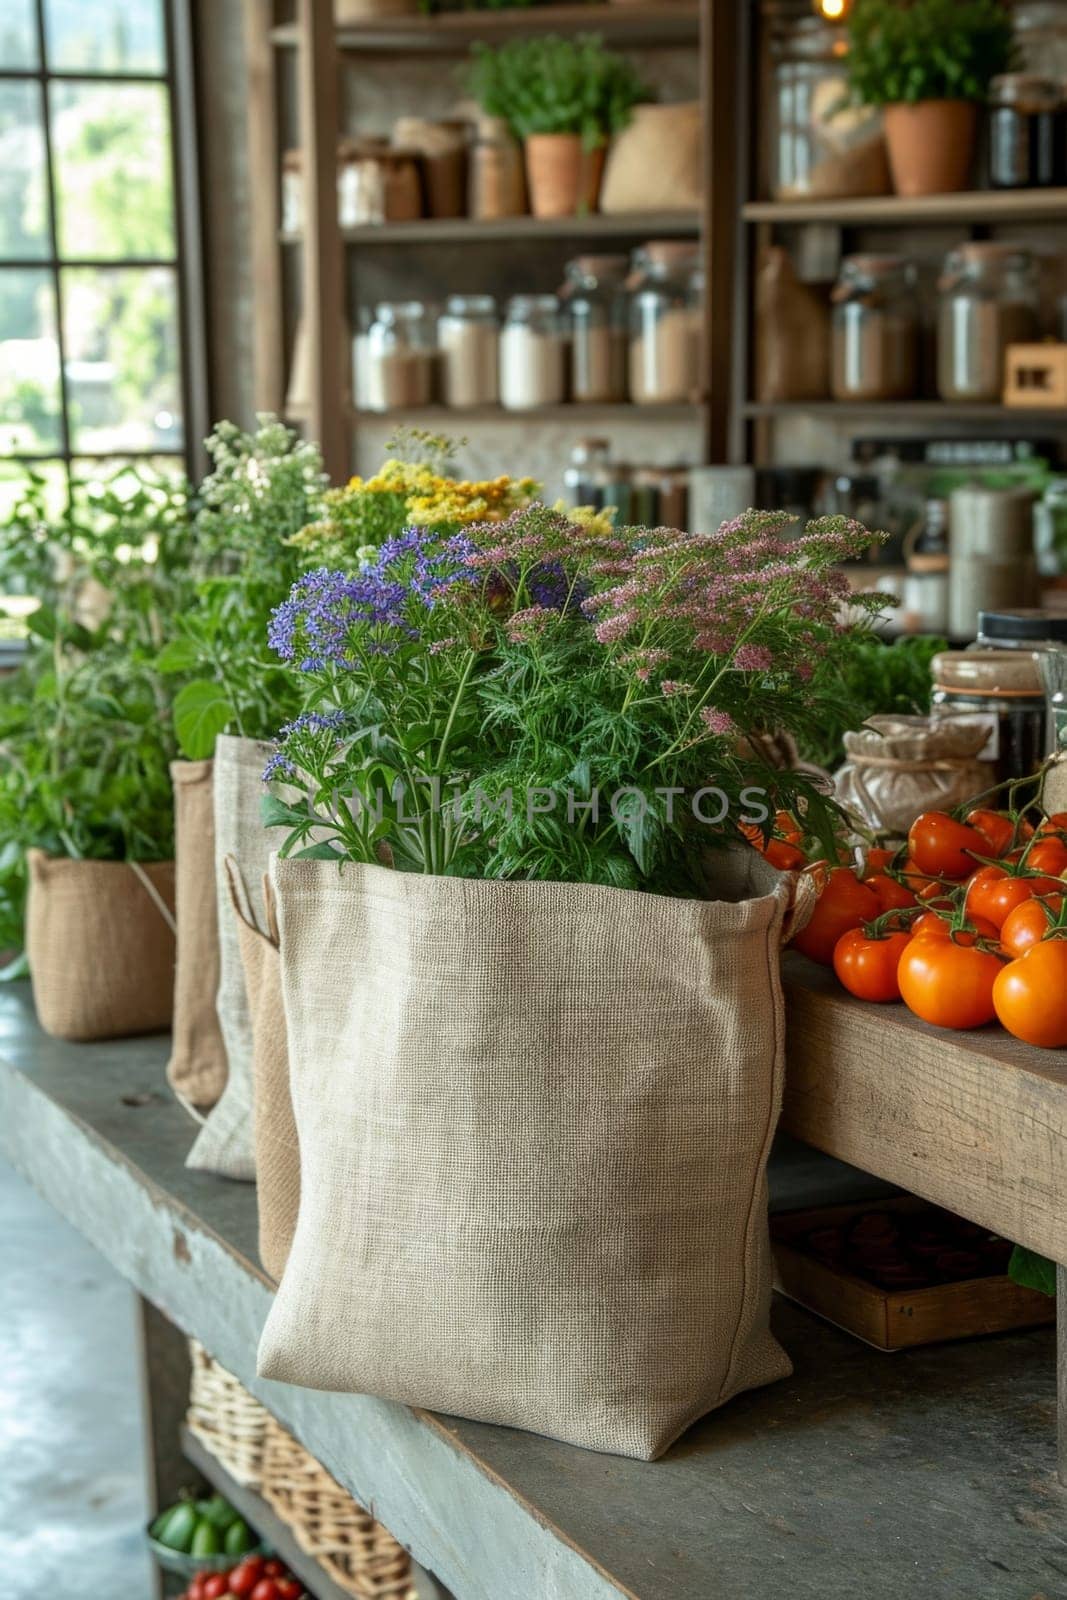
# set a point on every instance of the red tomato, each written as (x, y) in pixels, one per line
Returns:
(942, 847)
(1030, 995)
(876, 862)
(215, 1586)
(1047, 855)
(843, 904)
(868, 966)
(289, 1588)
(786, 857)
(1056, 823)
(195, 1590)
(265, 1589)
(921, 885)
(996, 828)
(891, 895)
(243, 1578)
(275, 1568)
(993, 893)
(1028, 924)
(948, 984)
(932, 926)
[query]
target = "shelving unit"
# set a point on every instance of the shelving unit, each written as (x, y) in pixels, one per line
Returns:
(304, 60)
(893, 211)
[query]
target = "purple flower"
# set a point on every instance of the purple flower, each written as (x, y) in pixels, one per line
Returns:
(719, 722)
(279, 766)
(753, 658)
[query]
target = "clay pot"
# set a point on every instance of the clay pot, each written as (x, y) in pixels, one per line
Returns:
(931, 145)
(563, 177)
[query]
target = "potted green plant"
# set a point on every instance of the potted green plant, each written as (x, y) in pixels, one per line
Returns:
(929, 63)
(563, 98)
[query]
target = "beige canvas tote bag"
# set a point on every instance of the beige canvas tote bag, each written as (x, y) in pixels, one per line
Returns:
(196, 1070)
(277, 1151)
(100, 943)
(225, 1144)
(534, 1121)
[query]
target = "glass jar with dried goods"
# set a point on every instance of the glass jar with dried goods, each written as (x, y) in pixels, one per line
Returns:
(400, 357)
(875, 330)
(533, 364)
(824, 146)
(666, 323)
(1025, 140)
(588, 476)
(1003, 692)
(497, 173)
(595, 302)
(468, 338)
(989, 300)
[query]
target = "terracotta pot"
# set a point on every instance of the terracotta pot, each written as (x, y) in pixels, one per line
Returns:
(348, 11)
(563, 177)
(931, 145)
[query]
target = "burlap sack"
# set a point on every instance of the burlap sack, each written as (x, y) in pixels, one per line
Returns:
(100, 942)
(897, 767)
(225, 1143)
(1054, 787)
(277, 1150)
(196, 1070)
(654, 164)
(792, 333)
(534, 1121)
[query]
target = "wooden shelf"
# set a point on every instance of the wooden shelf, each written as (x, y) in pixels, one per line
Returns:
(258, 1514)
(989, 206)
(466, 230)
(572, 412)
(662, 22)
(906, 411)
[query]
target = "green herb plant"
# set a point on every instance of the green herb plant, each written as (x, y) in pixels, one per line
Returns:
(906, 51)
(552, 84)
(867, 677)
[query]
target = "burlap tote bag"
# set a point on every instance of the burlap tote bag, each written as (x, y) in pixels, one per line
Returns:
(277, 1151)
(534, 1121)
(196, 1070)
(225, 1143)
(100, 943)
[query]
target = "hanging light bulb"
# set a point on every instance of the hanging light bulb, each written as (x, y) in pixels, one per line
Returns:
(832, 10)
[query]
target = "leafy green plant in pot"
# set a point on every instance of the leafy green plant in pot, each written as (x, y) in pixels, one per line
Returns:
(563, 98)
(929, 63)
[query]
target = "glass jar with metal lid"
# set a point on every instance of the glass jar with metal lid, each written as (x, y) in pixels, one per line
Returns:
(596, 305)
(666, 323)
(533, 368)
(875, 329)
(823, 145)
(400, 357)
(1025, 143)
(989, 300)
(1024, 629)
(468, 336)
(1003, 691)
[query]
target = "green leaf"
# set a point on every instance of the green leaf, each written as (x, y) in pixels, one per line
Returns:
(1032, 1271)
(274, 813)
(201, 713)
(319, 852)
(180, 655)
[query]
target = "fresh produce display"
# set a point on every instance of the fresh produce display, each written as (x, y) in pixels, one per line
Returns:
(208, 1529)
(255, 1578)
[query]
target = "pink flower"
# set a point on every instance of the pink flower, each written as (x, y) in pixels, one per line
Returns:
(617, 627)
(523, 625)
(753, 658)
(715, 721)
(670, 687)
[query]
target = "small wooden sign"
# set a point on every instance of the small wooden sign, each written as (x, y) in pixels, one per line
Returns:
(1036, 375)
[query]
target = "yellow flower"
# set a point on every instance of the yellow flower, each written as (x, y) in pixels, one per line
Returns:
(600, 523)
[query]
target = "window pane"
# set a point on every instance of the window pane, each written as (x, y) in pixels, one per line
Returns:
(30, 420)
(47, 498)
(23, 194)
(111, 145)
(18, 34)
(125, 477)
(104, 35)
(121, 336)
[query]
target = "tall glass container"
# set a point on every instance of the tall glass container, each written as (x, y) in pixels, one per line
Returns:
(989, 300)
(875, 330)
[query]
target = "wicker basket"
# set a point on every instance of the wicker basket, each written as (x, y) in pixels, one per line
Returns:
(226, 1419)
(354, 1550)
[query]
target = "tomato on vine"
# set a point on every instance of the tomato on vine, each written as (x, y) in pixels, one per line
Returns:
(1030, 995)
(941, 847)
(844, 903)
(866, 960)
(948, 983)
(1031, 922)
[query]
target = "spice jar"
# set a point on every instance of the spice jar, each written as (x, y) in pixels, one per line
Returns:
(594, 296)
(497, 174)
(468, 337)
(988, 301)
(875, 330)
(588, 476)
(1002, 691)
(1024, 131)
(666, 323)
(823, 146)
(533, 368)
(400, 357)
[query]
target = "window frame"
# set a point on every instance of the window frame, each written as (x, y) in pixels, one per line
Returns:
(177, 78)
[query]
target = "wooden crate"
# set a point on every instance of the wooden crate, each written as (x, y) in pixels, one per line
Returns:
(1036, 375)
(895, 1319)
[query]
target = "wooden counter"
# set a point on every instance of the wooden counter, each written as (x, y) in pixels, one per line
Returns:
(931, 1472)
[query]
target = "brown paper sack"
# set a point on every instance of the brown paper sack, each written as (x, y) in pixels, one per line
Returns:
(196, 1070)
(100, 943)
(534, 1121)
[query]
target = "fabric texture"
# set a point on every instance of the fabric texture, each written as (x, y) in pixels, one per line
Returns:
(225, 1143)
(277, 1150)
(100, 946)
(899, 766)
(196, 1070)
(534, 1121)
(654, 164)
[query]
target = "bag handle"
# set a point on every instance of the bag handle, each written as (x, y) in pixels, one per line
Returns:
(242, 903)
(803, 893)
(154, 895)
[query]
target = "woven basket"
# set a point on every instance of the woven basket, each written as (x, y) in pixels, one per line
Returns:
(225, 1418)
(354, 1550)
